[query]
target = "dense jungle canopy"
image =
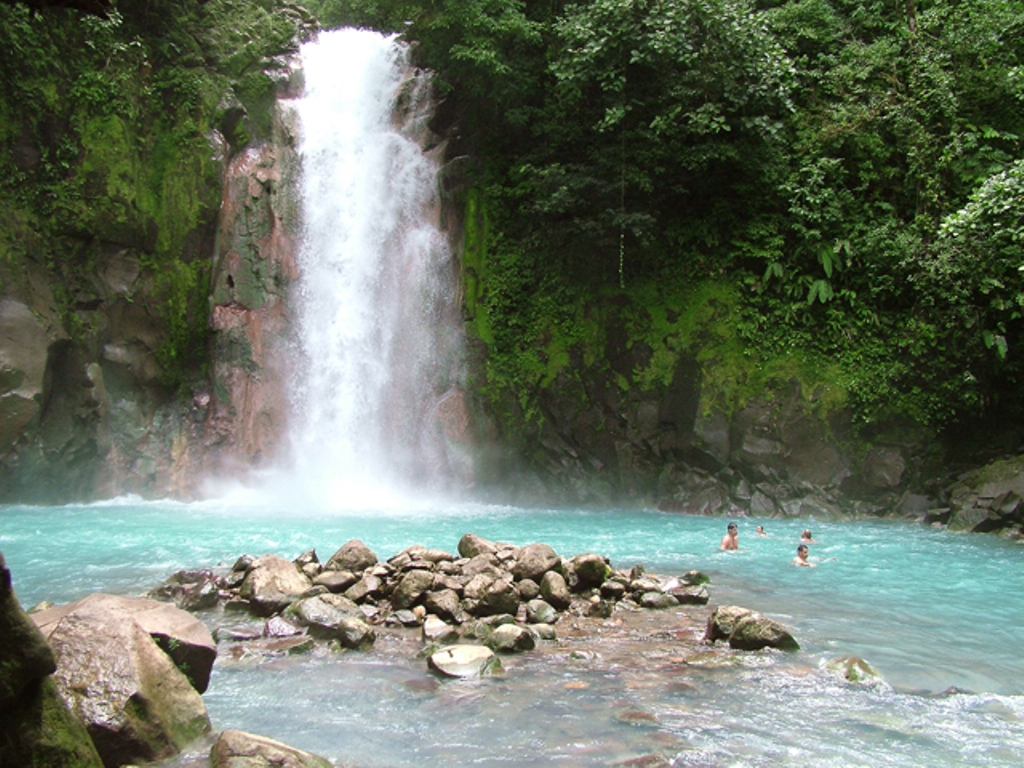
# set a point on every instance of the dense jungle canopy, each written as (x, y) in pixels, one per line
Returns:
(823, 190)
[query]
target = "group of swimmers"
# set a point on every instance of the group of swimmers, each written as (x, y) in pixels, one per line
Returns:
(731, 540)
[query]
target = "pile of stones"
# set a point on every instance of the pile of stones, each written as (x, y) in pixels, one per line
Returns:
(491, 594)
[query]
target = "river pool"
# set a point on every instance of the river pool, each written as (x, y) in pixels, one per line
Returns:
(938, 614)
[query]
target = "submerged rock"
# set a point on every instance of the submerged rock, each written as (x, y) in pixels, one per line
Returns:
(465, 661)
(238, 749)
(854, 669)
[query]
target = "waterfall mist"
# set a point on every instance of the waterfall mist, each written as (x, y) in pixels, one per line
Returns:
(376, 329)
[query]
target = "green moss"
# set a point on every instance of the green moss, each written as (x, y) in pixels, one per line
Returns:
(1000, 471)
(705, 321)
(474, 258)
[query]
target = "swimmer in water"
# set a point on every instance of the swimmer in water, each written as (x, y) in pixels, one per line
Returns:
(801, 557)
(731, 540)
(806, 538)
(760, 531)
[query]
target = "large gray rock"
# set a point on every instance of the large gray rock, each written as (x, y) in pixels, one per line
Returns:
(883, 468)
(237, 749)
(184, 638)
(322, 614)
(989, 498)
(591, 570)
(136, 704)
(500, 597)
(754, 632)
(353, 556)
(36, 728)
(471, 545)
(443, 603)
(272, 584)
(534, 560)
(465, 661)
(411, 588)
(511, 638)
(721, 622)
(555, 591)
(24, 347)
(355, 633)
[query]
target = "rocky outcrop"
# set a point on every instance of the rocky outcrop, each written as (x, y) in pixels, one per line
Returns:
(113, 674)
(254, 266)
(36, 728)
(987, 499)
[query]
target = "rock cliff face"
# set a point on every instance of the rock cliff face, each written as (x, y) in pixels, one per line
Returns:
(89, 414)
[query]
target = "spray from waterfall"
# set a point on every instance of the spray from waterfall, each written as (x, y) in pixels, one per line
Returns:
(374, 304)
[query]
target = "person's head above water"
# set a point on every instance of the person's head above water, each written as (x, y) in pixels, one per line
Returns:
(801, 556)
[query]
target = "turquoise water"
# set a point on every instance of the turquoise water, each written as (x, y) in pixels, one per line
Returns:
(931, 610)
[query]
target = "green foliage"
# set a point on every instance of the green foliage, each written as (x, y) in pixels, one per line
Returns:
(104, 138)
(847, 170)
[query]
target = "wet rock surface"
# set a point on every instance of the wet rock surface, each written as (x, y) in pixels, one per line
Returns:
(115, 675)
(36, 727)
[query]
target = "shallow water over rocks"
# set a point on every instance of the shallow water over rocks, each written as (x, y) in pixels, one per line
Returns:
(930, 610)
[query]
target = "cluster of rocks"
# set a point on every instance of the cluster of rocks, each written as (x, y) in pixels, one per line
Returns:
(108, 681)
(987, 499)
(496, 595)
(111, 680)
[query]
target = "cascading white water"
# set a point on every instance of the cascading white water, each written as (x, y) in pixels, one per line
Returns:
(375, 286)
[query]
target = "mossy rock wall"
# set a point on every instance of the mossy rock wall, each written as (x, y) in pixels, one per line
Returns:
(652, 394)
(117, 129)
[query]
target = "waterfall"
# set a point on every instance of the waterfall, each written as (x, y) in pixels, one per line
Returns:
(375, 298)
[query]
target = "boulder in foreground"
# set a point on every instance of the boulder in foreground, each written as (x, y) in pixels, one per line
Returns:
(36, 728)
(135, 703)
